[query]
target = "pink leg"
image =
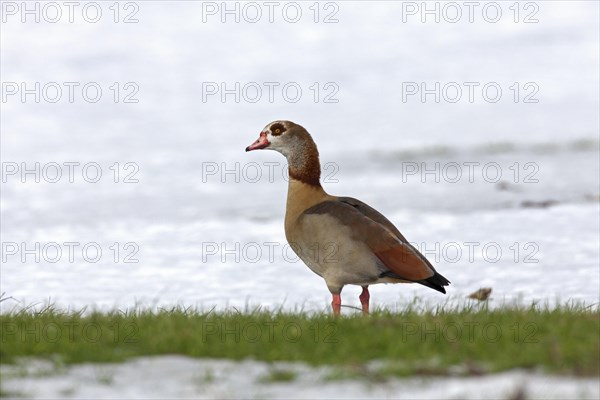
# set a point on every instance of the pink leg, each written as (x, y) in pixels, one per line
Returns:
(336, 303)
(364, 299)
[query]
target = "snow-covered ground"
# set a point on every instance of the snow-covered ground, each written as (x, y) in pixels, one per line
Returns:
(198, 244)
(187, 220)
(224, 379)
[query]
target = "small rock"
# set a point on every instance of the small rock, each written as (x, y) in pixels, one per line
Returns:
(482, 294)
(538, 204)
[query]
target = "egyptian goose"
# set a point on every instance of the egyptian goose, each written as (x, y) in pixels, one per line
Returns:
(341, 239)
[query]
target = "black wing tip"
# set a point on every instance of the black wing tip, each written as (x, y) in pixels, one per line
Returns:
(436, 282)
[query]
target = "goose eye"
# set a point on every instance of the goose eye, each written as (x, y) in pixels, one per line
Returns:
(277, 131)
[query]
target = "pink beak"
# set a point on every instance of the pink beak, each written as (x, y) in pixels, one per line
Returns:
(260, 143)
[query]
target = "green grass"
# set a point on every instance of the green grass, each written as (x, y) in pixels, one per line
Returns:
(465, 341)
(279, 375)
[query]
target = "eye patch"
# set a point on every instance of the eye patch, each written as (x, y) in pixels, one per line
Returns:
(277, 129)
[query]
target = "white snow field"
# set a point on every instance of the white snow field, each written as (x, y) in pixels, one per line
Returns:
(466, 181)
(224, 379)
